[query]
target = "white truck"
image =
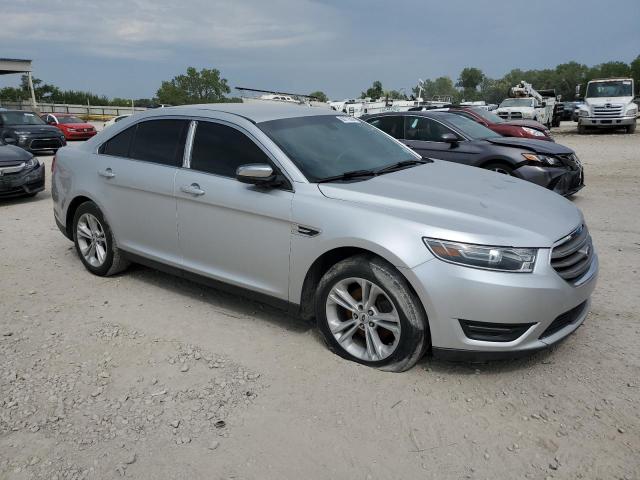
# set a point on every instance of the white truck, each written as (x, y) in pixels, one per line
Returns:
(608, 103)
(526, 103)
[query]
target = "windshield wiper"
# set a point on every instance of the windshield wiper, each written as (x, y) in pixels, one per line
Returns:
(349, 175)
(404, 164)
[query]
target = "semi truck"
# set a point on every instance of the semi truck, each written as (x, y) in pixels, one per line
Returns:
(608, 103)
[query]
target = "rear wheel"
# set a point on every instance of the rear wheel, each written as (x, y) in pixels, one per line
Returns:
(367, 313)
(499, 167)
(94, 242)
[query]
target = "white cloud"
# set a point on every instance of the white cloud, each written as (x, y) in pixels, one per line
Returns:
(148, 28)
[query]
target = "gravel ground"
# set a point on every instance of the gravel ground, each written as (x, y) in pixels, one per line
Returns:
(147, 376)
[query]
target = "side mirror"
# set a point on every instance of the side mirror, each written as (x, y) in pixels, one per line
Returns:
(259, 174)
(450, 138)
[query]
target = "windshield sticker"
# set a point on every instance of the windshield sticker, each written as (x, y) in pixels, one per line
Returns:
(346, 119)
(626, 82)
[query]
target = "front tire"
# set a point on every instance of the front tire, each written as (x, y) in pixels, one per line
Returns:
(367, 313)
(95, 243)
(498, 167)
(631, 128)
(581, 129)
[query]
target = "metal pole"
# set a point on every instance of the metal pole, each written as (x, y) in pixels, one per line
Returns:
(32, 92)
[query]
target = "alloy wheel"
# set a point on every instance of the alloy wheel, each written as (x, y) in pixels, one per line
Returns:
(91, 240)
(363, 319)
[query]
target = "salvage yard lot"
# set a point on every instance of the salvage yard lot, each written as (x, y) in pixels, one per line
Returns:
(144, 375)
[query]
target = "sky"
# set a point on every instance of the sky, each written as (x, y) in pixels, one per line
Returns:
(126, 48)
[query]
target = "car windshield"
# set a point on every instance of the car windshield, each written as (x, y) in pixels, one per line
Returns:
(330, 145)
(70, 120)
(517, 102)
(21, 118)
(487, 115)
(614, 88)
(471, 129)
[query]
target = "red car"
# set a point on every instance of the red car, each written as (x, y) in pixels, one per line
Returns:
(73, 127)
(506, 128)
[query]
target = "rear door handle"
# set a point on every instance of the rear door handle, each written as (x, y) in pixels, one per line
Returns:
(107, 173)
(193, 189)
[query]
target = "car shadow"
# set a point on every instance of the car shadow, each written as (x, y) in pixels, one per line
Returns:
(40, 196)
(229, 304)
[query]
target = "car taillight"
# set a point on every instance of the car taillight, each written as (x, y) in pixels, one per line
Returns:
(53, 164)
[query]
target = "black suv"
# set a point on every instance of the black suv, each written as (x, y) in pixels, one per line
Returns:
(29, 131)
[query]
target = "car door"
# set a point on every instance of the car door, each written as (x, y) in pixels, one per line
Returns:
(232, 231)
(137, 169)
(424, 135)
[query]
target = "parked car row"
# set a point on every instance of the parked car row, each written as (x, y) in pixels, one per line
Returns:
(391, 250)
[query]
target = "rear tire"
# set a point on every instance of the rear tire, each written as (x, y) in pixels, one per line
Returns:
(499, 167)
(367, 313)
(95, 243)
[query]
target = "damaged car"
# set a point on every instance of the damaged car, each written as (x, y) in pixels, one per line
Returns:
(453, 137)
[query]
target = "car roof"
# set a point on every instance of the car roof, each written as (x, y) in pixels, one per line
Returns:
(255, 112)
(422, 113)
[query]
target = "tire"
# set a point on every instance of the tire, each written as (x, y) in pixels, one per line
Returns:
(499, 167)
(394, 306)
(631, 128)
(112, 260)
(581, 129)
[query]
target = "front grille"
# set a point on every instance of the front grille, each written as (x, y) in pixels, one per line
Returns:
(607, 111)
(11, 168)
(570, 160)
(567, 318)
(45, 143)
(572, 258)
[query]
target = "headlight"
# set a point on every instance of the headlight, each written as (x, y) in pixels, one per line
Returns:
(632, 111)
(583, 113)
(31, 163)
(504, 259)
(544, 159)
(533, 131)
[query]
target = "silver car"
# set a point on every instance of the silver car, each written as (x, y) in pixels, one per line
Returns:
(391, 254)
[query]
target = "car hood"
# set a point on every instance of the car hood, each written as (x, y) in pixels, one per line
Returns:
(35, 129)
(525, 123)
(514, 109)
(12, 154)
(467, 204)
(536, 146)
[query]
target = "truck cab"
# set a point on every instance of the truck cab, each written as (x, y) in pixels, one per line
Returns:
(608, 103)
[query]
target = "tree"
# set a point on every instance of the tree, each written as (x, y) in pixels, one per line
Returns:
(320, 96)
(204, 86)
(394, 95)
(374, 92)
(635, 72)
(470, 78)
(440, 87)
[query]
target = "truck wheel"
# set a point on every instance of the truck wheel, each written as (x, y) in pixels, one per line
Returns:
(631, 128)
(581, 129)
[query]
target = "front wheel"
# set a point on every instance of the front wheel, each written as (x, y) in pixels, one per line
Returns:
(497, 167)
(367, 313)
(581, 129)
(94, 242)
(631, 128)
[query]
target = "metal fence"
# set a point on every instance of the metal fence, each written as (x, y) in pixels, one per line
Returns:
(75, 109)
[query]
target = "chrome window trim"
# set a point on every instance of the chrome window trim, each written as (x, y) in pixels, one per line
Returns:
(188, 145)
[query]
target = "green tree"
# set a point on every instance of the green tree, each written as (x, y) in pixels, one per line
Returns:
(205, 86)
(394, 95)
(440, 87)
(635, 73)
(469, 80)
(374, 92)
(319, 95)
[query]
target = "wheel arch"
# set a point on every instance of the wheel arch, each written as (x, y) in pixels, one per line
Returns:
(327, 260)
(71, 211)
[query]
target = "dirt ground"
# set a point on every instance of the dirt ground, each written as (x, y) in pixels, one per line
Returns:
(147, 376)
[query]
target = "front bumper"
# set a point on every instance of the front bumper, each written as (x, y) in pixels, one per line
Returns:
(564, 181)
(22, 183)
(451, 293)
(606, 122)
(79, 135)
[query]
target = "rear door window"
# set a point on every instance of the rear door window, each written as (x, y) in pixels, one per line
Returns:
(392, 125)
(118, 146)
(160, 141)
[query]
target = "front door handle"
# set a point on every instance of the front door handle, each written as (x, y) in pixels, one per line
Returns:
(193, 189)
(107, 173)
